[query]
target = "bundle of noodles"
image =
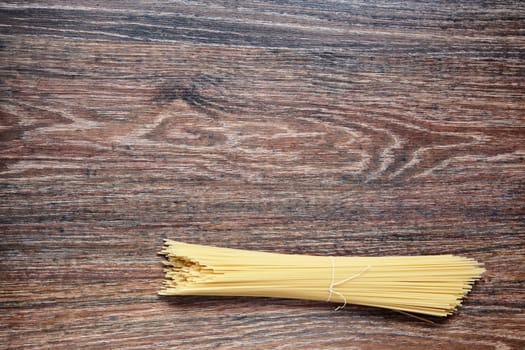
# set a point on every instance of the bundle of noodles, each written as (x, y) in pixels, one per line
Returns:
(432, 285)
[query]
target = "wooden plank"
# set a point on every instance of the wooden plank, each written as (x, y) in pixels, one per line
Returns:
(331, 128)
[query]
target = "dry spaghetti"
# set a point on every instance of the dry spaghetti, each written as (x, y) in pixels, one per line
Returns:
(432, 285)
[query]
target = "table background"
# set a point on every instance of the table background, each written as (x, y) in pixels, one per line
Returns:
(319, 127)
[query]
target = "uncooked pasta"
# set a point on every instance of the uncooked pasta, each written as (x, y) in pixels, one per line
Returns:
(430, 284)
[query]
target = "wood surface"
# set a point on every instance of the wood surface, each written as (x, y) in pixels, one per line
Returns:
(316, 127)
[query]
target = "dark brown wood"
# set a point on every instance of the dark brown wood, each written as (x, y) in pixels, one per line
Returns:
(319, 127)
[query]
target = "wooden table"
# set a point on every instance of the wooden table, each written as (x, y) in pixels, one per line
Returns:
(331, 128)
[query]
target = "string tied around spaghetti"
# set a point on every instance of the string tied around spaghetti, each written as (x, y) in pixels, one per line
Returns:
(333, 284)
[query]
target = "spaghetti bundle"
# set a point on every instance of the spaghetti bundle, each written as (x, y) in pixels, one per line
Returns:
(431, 285)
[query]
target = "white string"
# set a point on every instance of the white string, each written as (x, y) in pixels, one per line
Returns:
(333, 284)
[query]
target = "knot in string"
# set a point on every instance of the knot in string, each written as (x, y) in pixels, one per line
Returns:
(333, 284)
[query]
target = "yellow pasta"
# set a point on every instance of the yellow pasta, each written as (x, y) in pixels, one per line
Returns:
(432, 285)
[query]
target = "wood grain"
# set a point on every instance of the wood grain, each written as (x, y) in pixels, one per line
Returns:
(320, 127)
